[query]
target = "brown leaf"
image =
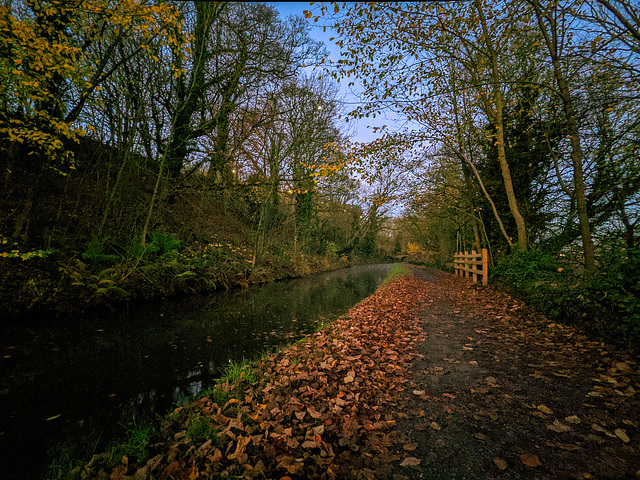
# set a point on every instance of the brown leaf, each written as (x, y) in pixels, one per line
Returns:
(435, 426)
(410, 462)
(530, 460)
(559, 427)
(573, 419)
(624, 368)
(621, 434)
(410, 447)
(240, 447)
(501, 464)
(564, 446)
(216, 457)
(313, 412)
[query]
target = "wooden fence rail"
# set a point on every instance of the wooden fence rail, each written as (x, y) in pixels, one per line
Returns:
(472, 264)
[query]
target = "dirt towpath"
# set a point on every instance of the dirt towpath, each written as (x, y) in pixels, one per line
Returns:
(500, 392)
(429, 378)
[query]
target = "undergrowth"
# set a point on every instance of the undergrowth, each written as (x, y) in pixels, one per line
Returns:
(606, 305)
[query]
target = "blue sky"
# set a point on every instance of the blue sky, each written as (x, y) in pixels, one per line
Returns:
(362, 129)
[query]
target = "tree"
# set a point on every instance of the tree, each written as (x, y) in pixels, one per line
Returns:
(407, 68)
(55, 56)
(548, 23)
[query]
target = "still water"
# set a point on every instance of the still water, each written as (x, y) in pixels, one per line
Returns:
(69, 386)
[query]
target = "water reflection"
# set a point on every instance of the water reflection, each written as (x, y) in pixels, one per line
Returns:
(67, 386)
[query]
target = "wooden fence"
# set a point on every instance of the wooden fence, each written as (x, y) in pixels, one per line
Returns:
(472, 264)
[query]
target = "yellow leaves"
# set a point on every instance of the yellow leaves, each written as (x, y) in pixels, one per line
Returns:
(545, 409)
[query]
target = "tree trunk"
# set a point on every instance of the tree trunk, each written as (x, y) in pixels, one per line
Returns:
(499, 123)
(574, 137)
(488, 197)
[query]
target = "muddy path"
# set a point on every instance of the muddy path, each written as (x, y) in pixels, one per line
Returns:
(500, 392)
(429, 378)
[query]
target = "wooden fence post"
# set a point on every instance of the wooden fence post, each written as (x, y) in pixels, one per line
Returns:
(485, 267)
(473, 267)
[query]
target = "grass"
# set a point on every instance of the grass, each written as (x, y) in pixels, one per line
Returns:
(200, 430)
(136, 444)
(397, 270)
(238, 371)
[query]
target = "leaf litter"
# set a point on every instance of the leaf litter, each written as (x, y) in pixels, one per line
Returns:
(388, 390)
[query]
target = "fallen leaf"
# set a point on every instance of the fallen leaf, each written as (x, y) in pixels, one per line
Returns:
(530, 460)
(501, 464)
(480, 436)
(418, 392)
(490, 380)
(435, 426)
(348, 379)
(473, 362)
(313, 412)
(622, 435)
(564, 446)
(195, 473)
(410, 462)
(410, 447)
(559, 427)
(545, 409)
(573, 419)
(624, 368)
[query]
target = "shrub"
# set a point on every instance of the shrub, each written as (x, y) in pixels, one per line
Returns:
(96, 250)
(606, 305)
